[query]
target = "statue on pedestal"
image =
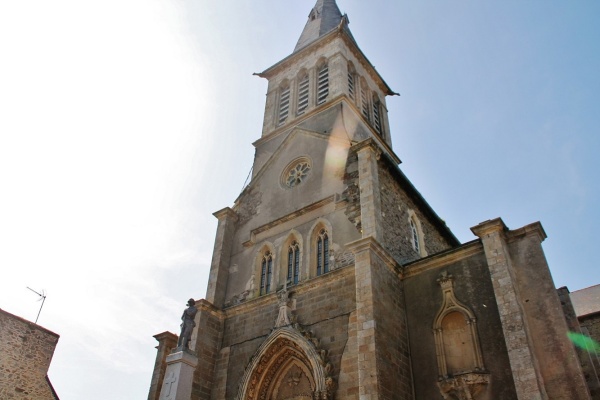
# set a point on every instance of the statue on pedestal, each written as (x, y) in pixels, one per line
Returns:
(187, 325)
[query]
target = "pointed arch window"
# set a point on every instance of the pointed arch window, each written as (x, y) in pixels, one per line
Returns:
(293, 265)
(416, 240)
(266, 273)
(284, 105)
(303, 88)
(323, 84)
(322, 253)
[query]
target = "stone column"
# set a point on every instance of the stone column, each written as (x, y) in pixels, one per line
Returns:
(179, 376)
(167, 341)
(368, 182)
(383, 370)
(219, 269)
(365, 321)
(525, 369)
(206, 342)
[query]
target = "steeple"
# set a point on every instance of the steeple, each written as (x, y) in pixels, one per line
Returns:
(324, 17)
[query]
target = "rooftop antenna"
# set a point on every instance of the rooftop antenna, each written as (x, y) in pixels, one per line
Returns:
(42, 297)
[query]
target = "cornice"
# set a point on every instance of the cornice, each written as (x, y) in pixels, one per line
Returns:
(302, 287)
(445, 258)
(226, 213)
(321, 42)
(369, 243)
(286, 218)
(490, 226)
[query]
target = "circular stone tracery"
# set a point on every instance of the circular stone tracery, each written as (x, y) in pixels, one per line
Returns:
(296, 172)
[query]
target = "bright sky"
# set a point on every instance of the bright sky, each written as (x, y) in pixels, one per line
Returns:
(124, 124)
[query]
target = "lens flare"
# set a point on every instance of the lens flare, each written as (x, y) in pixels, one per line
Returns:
(584, 342)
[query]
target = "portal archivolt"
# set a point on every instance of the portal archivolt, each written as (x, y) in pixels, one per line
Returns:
(286, 367)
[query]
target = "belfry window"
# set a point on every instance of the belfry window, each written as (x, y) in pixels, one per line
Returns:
(284, 105)
(351, 84)
(266, 273)
(322, 253)
(364, 100)
(323, 84)
(303, 87)
(293, 270)
(377, 116)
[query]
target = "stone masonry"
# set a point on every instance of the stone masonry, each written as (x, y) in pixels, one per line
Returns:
(26, 350)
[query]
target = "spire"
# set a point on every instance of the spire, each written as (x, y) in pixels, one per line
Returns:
(323, 18)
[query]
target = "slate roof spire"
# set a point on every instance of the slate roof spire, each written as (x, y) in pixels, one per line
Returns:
(323, 18)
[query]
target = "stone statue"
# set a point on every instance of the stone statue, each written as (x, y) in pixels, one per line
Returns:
(187, 324)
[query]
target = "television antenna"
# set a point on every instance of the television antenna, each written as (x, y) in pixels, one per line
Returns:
(42, 297)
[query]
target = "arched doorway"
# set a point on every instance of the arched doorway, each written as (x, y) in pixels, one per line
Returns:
(286, 367)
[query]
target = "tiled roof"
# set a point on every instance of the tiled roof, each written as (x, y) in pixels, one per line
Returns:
(586, 301)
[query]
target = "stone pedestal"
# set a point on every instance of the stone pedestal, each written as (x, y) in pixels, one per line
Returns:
(177, 384)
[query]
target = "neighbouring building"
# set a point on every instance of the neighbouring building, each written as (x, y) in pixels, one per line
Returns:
(333, 278)
(26, 350)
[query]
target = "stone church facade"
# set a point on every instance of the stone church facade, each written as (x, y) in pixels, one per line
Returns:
(333, 278)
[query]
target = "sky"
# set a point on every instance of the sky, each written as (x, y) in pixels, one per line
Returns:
(124, 124)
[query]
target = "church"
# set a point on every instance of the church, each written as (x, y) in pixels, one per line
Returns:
(333, 278)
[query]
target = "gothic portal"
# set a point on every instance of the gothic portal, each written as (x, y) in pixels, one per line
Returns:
(333, 278)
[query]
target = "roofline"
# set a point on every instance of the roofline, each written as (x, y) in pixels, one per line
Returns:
(427, 209)
(338, 31)
(33, 324)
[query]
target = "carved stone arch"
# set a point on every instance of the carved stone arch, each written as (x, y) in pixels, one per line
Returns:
(311, 253)
(293, 236)
(286, 355)
(460, 362)
(263, 249)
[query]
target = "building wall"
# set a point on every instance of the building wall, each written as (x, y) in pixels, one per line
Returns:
(26, 350)
(323, 306)
(396, 205)
(558, 362)
(472, 287)
(391, 336)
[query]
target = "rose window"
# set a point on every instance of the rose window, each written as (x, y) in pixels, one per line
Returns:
(296, 173)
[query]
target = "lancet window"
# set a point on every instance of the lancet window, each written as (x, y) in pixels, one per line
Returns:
(323, 84)
(266, 273)
(415, 236)
(322, 253)
(293, 265)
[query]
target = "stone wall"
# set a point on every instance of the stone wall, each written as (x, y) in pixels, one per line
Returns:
(590, 326)
(395, 206)
(206, 342)
(473, 288)
(322, 305)
(391, 333)
(26, 350)
(351, 192)
(558, 362)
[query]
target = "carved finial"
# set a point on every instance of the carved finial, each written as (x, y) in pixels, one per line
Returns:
(445, 280)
